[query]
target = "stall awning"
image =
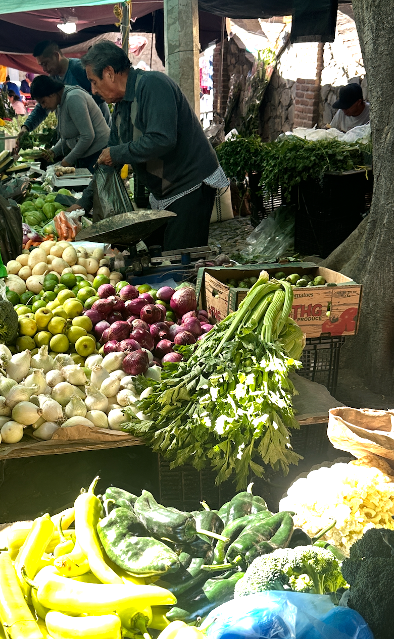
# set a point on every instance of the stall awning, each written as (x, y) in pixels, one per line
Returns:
(17, 6)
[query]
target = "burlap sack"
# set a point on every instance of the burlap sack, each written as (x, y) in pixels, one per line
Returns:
(362, 431)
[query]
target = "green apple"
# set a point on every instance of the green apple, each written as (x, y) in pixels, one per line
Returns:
(74, 333)
(85, 346)
(43, 317)
(42, 338)
(73, 307)
(60, 311)
(64, 295)
(78, 359)
(57, 325)
(84, 322)
(59, 343)
(25, 342)
(27, 326)
(21, 311)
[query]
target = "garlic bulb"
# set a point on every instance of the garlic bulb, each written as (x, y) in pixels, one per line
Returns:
(26, 413)
(5, 355)
(76, 407)
(46, 430)
(54, 377)
(99, 374)
(92, 360)
(18, 366)
(4, 410)
(110, 387)
(36, 378)
(74, 374)
(63, 392)
(95, 399)
(78, 421)
(19, 393)
(51, 409)
(99, 418)
(63, 360)
(11, 432)
(6, 385)
(113, 360)
(42, 360)
(125, 397)
(116, 419)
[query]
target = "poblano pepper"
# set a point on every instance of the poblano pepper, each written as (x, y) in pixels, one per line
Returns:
(119, 497)
(232, 531)
(242, 504)
(165, 523)
(141, 556)
(208, 521)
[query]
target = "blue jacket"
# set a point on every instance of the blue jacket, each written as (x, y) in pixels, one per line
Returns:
(75, 75)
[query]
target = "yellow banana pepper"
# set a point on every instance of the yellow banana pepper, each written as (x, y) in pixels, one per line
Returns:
(159, 618)
(87, 516)
(60, 625)
(32, 550)
(15, 615)
(66, 545)
(67, 517)
(72, 564)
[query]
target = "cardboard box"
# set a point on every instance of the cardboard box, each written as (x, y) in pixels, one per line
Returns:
(310, 305)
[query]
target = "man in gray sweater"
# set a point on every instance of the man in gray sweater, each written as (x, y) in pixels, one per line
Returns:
(155, 130)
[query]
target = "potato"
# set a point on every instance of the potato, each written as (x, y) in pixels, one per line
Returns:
(68, 270)
(47, 245)
(104, 271)
(39, 269)
(79, 269)
(70, 256)
(57, 250)
(92, 266)
(50, 259)
(59, 265)
(82, 253)
(13, 266)
(23, 258)
(104, 262)
(25, 273)
(34, 283)
(98, 254)
(36, 256)
(89, 277)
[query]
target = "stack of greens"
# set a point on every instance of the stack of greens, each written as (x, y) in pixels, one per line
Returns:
(229, 402)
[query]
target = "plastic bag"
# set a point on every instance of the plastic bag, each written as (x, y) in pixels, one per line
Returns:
(68, 224)
(109, 194)
(361, 133)
(284, 614)
(272, 238)
(15, 189)
(10, 230)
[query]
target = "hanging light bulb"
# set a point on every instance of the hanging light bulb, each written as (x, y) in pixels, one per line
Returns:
(67, 27)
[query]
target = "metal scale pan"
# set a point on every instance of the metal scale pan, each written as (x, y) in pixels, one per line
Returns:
(125, 228)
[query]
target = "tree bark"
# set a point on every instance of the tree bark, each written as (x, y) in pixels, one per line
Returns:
(371, 352)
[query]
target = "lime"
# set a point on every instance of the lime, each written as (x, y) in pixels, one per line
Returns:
(26, 297)
(59, 343)
(69, 280)
(59, 287)
(75, 289)
(13, 297)
(99, 280)
(120, 285)
(49, 296)
(42, 338)
(85, 293)
(38, 304)
(64, 295)
(49, 284)
(83, 283)
(153, 293)
(143, 288)
(25, 342)
(90, 302)
(170, 315)
(79, 278)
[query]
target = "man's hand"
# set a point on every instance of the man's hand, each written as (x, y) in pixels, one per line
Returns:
(105, 157)
(65, 164)
(21, 133)
(73, 207)
(48, 155)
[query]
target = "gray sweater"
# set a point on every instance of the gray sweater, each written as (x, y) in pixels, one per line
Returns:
(81, 126)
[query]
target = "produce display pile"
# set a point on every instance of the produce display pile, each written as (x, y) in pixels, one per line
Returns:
(295, 279)
(133, 568)
(229, 402)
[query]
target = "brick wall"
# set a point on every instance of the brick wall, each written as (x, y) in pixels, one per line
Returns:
(307, 96)
(220, 85)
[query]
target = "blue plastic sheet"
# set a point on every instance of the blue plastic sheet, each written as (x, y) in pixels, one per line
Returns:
(285, 614)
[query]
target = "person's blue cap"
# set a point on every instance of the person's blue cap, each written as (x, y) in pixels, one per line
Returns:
(13, 87)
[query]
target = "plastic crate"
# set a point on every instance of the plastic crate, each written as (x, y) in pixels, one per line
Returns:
(320, 361)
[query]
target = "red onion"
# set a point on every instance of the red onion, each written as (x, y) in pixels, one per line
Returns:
(133, 307)
(130, 321)
(172, 357)
(135, 363)
(176, 329)
(100, 328)
(162, 348)
(147, 297)
(143, 338)
(105, 336)
(206, 327)
(193, 325)
(111, 346)
(105, 291)
(140, 324)
(203, 313)
(94, 315)
(128, 292)
(162, 310)
(165, 294)
(150, 314)
(184, 337)
(183, 300)
(189, 314)
(117, 304)
(157, 362)
(114, 317)
(119, 331)
(159, 330)
(129, 345)
(104, 307)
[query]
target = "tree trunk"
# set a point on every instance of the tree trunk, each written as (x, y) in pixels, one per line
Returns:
(371, 352)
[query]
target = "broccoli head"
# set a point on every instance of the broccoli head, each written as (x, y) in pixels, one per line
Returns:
(308, 569)
(375, 543)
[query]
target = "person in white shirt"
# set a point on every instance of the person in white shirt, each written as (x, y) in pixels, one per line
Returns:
(353, 111)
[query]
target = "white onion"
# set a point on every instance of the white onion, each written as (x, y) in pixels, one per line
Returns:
(74, 374)
(113, 360)
(11, 432)
(46, 430)
(5, 354)
(125, 397)
(26, 413)
(110, 387)
(76, 407)
(99, 418)
(95, 399)
(93, 360)
(63, 392)
(6, 385)
(51, 409)
(36, 378)
(116, 418)
(99, 374)
(18, 366)
(42, 360)
(54, 377)
(19, 393)
(78, 421)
